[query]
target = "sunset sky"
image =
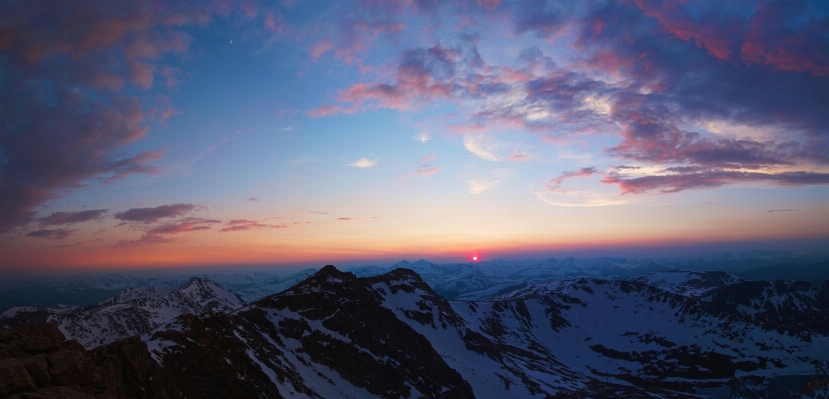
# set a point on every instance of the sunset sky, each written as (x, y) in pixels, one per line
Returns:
(146, 134)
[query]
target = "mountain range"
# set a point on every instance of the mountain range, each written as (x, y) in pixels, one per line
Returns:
(677, 333)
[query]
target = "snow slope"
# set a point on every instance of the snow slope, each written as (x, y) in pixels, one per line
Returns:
(336, 335)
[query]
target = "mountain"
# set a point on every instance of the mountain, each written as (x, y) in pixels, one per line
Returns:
(485, 280)
(688, 282)
(814, 273)
(131, 312)
(336, 335)
(90, 288)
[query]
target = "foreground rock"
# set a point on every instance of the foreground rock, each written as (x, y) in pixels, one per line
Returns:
(37, 362)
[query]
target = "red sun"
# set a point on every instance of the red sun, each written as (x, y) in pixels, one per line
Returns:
(475, 258)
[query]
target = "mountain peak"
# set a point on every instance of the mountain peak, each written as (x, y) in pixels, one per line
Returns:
(329, 269)
(195, 281)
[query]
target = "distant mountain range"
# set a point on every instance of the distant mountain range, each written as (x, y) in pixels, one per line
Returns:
(673, 334)
(471, 281)
(86, 289)
(133, 311)
(487, 280)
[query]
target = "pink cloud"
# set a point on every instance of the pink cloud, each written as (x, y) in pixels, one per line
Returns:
(489, 4)
(428, 171)
(712, 37)
(555, 184)
(321, 48)
(428, 158)
(245, 225)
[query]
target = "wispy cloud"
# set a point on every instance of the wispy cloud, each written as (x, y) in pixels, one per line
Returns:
(780, 210)
(58, 218)
(183, 226)
(151, 215)
(480, 147)
(422, 137)
(57, 234)
(245, 225)
(479, 186)
(363, 163)
(428, 158)
(428, 171)
(254, 199)
(555, 184)
(578, 199)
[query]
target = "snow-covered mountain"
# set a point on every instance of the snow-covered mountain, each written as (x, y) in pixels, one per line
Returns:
(131, 312)
(688, 282)
(486, 280)
(89, 288)
(336, 335)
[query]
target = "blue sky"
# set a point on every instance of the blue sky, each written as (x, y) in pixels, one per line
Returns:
(302, 132)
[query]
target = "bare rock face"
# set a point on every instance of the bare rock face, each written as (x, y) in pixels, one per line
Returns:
(36, 361)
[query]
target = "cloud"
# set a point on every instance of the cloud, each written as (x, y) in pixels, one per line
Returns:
(146, 239)
(363, 163)
(58, 234)
(245, 225)
(68, 245)
(480, 147)
(519, 157)
(428, 158)
(321, 48)
(254, 199)
(555, 184)
(578, 199)
(319, 212)
(481, 185)
(428, 171)
(156, 235)
(422, 137)
(57, 218)
(184, 226)
(780, 210)
(72, 78)
(652, 72)
(343, 218)
(151, 215)
(676, 182)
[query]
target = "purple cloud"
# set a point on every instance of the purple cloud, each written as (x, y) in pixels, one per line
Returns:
(67, 112)
(673, 183)
(184, 226)
(674, 67)
(57, 218)
(151, 215)
(245, 225)
(58, 234)
(555, 184)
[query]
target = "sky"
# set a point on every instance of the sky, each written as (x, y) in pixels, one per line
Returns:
(172, 133)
